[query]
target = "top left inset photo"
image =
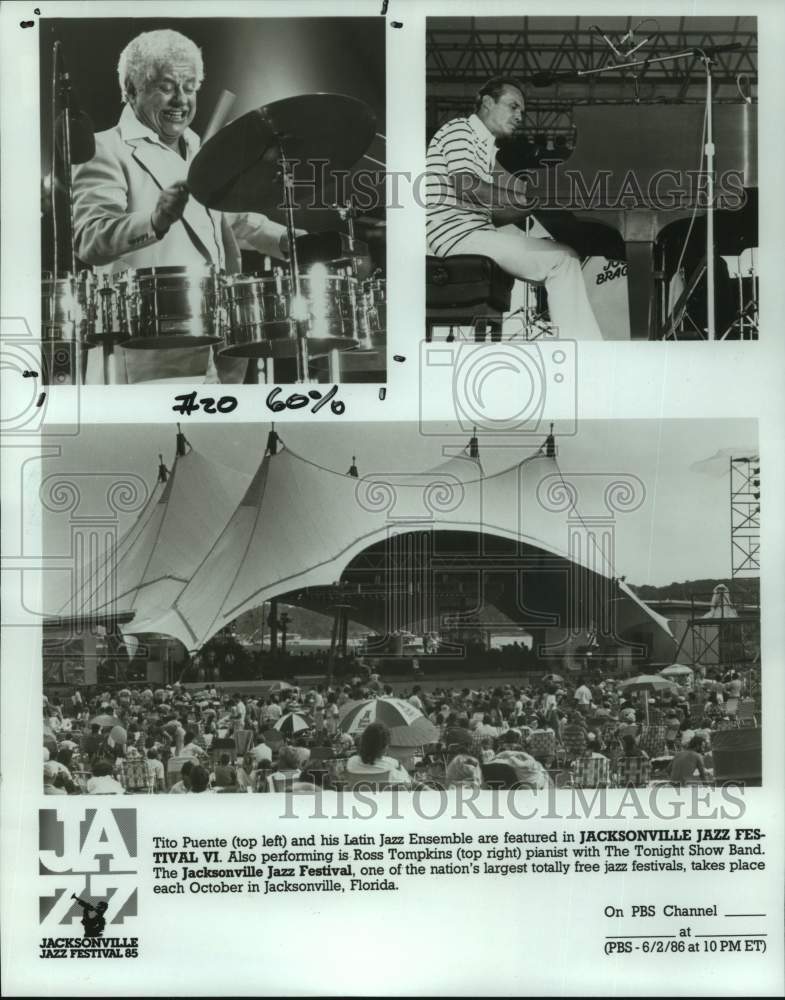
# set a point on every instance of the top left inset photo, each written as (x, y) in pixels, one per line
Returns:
(212, 200)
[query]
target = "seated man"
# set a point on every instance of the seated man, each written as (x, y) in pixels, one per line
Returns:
(471, 202)
(687, 761)
(131, 204)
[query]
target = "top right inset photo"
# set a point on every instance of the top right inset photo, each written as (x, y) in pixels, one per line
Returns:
(592, 178)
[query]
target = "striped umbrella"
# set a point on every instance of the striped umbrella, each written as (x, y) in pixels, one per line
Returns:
(393, 712)
(416, 734)
(291, 724)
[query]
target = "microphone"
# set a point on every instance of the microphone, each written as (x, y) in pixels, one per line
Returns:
(711, 50)
(80, 127)
(604, 36)
(545, 79)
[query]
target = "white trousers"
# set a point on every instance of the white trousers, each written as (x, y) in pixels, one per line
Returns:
(530, 258)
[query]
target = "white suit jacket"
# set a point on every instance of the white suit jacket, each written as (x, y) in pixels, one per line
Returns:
(114, 197)
(115, 194)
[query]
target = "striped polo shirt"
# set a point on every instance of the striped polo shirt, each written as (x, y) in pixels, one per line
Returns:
(463, 145)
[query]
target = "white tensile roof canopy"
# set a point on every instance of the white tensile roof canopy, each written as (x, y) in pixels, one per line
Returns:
(196, 558)
(157, 557)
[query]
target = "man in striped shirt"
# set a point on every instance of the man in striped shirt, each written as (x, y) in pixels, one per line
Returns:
(471, 202)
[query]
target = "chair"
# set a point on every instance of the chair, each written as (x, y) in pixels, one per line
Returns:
(243, 741)
(282, 782)
(652, 739)
(466, 290)
(633, 772)
(592, 772)
(369, 781)
(260, 779)
(137, 777)
(499, 776)
(746, 713)
(81, 778)
(542, 745)
(573, 738)
(560, 778)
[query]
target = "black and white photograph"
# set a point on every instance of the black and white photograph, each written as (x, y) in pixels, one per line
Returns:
(213, 199)
(592, 178)
(290, 612)
(391, 441)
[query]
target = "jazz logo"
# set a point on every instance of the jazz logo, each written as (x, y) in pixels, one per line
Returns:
(86, 852)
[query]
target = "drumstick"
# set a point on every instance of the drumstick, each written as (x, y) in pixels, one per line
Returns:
(220, 113)
(217, 120)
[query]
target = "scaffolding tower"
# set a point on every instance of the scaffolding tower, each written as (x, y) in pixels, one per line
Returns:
(745, 516)
(728, 636)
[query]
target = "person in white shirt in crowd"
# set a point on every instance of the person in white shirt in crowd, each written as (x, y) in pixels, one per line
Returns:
(261, 753)
(50, 776)
(463, 771)
(583, 696)
(272, 712)
(102, 782)
(156, 769)
(191, 748)
(371, 761)
(132, 207)
(183, 785)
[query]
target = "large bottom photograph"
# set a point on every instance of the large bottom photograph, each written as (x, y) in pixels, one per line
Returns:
(294, 608)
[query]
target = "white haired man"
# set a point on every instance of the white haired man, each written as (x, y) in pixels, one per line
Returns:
(471, 202)
(131, 205)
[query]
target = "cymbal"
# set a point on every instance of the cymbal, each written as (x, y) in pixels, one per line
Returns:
(238, 169)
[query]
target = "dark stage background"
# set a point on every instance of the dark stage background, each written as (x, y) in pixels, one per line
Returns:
(260, 59)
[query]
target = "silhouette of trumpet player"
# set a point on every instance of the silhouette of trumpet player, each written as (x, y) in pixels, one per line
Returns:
(93, 925)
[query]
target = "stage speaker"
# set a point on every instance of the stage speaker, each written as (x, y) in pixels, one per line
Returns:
(737, 755)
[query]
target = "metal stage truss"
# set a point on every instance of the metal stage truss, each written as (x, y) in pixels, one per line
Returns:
(745, 516)
(463, 53)
(721, 641)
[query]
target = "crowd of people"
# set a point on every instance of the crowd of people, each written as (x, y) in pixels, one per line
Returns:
(587, 732)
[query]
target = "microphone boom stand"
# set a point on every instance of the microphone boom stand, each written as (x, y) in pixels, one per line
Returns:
(709, 152)
(61, 88)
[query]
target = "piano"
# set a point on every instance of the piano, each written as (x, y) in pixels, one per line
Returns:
(637, 170)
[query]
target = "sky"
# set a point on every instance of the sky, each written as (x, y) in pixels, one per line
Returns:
(680, 532)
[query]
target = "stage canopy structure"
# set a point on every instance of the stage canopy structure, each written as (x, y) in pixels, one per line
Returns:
(211, 545)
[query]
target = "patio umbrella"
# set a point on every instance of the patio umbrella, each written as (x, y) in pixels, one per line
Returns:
(416, 734)
(291, 724)
(279, 686)
(649, 684)
(676, 670)
(393, 712)
(104, 720)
